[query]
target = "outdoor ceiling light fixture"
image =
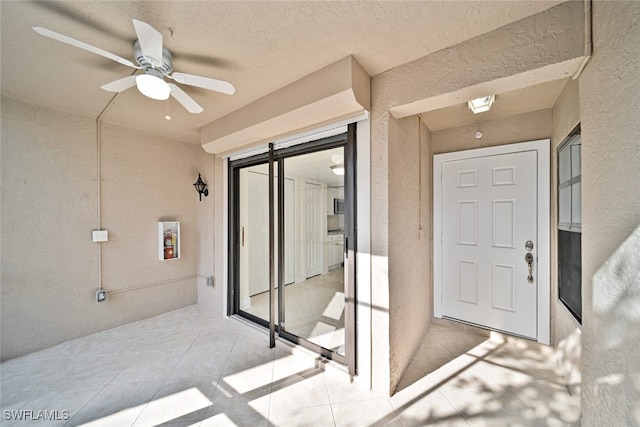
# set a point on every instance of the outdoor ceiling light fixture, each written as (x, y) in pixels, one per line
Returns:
(338, 169)
(201, 187)
(153, 87)
(480, 105)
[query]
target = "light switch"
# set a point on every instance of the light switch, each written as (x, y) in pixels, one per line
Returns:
(100, 235)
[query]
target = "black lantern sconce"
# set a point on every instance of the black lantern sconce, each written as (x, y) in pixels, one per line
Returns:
(201, 187)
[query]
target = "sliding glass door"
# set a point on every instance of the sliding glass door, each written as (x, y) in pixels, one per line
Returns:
(309, 209)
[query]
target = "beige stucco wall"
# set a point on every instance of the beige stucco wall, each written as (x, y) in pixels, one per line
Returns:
(610, 122)
(509, 130)
(566, 330)
(409, 241)
(49, 207)
(206, 223)
(547, 46)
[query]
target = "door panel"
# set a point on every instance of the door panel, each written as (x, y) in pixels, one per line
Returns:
(489, 212)
(313, 223)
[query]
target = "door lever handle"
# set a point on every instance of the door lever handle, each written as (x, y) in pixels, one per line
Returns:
(529, 260)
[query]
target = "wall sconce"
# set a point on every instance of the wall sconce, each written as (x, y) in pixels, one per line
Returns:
(201, 187)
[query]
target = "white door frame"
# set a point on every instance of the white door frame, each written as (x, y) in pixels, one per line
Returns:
(542, 148)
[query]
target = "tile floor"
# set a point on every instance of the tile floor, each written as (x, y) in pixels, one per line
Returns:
(190, 367)
(314, 309)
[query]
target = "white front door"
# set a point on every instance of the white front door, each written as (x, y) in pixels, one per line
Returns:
(488, 212)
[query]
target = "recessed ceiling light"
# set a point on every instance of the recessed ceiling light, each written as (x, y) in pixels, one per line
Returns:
(480, 105)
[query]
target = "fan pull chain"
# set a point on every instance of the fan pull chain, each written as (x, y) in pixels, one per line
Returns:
(167, 116)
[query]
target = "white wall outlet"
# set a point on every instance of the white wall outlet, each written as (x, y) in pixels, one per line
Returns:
(210, 281)
(100, 235)
(101, 296)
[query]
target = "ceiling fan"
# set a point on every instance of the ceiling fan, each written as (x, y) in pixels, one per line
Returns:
(156, 62)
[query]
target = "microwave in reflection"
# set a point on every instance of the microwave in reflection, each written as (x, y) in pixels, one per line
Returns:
(338, 206)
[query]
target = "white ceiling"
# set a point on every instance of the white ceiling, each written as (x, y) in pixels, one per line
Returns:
(258, 46)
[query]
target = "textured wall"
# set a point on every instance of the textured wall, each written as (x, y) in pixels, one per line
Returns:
(520, 128)
(49, 207)
(409, 240)
(609, 108)
(566, 331)
(536, 49)
(544, 47)
(206, 251)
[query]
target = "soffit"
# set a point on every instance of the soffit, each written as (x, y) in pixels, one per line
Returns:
(259, 46)
(533, 98)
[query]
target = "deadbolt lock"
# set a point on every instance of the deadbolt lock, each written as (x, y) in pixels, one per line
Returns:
(528, 246)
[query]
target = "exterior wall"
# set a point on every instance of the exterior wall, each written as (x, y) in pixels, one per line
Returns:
(544, 47)
(409, 251)
(380, 344)
(609, 105)
(566, 330)
(206, 252)
(50, 267)
(520, 128)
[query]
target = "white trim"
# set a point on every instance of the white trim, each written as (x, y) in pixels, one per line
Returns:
(225, 236)
(542, 148)
(363, 256)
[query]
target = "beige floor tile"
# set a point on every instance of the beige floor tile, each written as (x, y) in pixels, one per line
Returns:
(63, 403)
(205, 363)
(252, 357)
(180, 400)
(226, 400)
(215, 337)
(378, 412)
(302, 417)
(190, 365)
(94, 370)
(481, 406)
(299, 391)
(16, 400)
(149, 366)
(116, 404)
(427, 409)
(341, 390)
(235, 420)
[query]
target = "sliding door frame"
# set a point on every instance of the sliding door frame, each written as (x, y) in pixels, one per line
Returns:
(348, 142)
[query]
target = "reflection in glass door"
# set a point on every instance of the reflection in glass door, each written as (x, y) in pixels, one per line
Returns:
(314, 305)
(313, 291)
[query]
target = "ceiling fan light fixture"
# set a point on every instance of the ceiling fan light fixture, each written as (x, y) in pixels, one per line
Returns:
(338, 169)
(153, 87)
(480, 105)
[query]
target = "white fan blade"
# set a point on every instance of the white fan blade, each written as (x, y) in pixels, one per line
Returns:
(82, 45)
(120, 84)
(184, 99)
(204, 82)
(150, 42)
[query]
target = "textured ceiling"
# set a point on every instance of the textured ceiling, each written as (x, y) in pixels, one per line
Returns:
(258, 46)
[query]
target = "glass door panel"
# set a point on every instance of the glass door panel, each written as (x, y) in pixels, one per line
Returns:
(253, 221)
(313, 301)
(314, 304)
